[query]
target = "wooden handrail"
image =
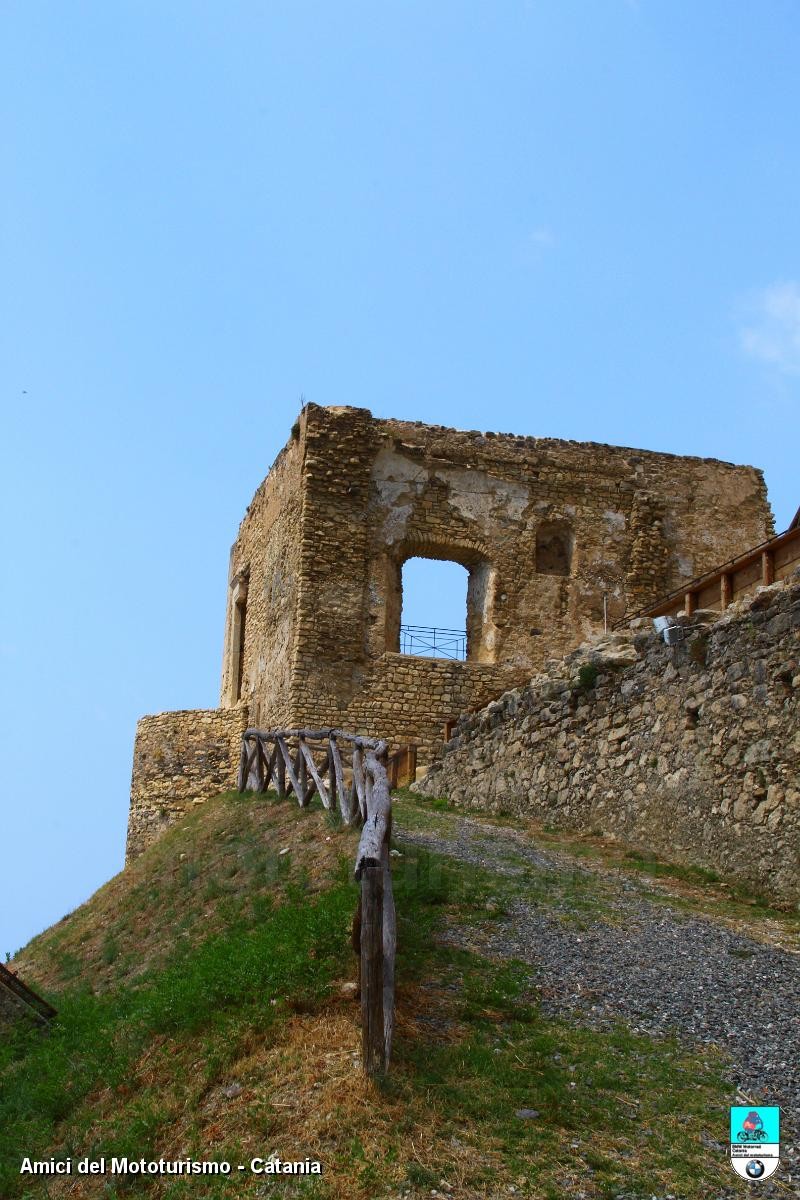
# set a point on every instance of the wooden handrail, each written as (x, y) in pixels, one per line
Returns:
(723, 574)
(266, 757)
(26, 995)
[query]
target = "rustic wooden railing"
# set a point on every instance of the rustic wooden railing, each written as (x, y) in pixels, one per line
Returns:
(305, 761)
(25, 995)
(764, 564)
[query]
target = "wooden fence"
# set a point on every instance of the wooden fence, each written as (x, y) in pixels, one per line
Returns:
(768, 563)
(25, 996)
(305, 761)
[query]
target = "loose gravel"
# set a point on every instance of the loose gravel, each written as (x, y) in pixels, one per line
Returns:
(661, 970)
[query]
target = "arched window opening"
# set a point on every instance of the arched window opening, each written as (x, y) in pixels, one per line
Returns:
(238, 619)
(433, 619)
(553, 549)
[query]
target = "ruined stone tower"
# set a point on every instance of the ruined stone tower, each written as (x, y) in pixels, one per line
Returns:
(548, 530)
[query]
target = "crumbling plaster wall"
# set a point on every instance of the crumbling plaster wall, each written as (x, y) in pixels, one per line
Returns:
(691, 750)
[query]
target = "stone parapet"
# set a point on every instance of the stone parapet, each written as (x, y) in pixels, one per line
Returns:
(691, 750)
(180, 759)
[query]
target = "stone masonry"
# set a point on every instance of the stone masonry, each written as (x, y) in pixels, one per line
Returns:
(690, 750)
(545, 528)
(550, 532)
(180, 759)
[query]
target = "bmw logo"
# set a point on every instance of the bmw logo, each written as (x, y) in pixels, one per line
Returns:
(755, 1168)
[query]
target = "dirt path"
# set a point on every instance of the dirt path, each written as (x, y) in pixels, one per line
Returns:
(606, 946)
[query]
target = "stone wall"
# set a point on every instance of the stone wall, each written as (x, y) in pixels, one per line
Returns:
(546, 529)
(266, 556)
(180, 759)
(409, 699)
(691, 750)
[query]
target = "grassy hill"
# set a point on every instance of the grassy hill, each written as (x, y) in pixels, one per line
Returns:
(206, 1010)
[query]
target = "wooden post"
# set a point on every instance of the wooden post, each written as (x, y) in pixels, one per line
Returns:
(373, 1040)
(261, 760)
(690, 603)
(290, 771)
(302, 774)
(725, 590)
(389, 953)
(270, 768)
(308, 760)
(331, 777)
(241, 782)
(359, 783)
(280, 771)
(344, 804)
(767, 567)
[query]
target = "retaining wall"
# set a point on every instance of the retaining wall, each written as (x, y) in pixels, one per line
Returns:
(691, 750)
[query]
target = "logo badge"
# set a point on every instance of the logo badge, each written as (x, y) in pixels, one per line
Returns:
(755, 1140)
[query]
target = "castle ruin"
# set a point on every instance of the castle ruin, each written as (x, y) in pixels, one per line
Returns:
(556, 536)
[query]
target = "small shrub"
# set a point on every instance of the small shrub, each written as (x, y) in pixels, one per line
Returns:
(587, 676)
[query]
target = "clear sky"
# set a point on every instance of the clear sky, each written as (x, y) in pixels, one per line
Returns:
(572, 218)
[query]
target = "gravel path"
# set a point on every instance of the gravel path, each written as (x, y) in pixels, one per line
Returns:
(660, 969)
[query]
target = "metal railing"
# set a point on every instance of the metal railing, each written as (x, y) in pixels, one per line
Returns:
(424, 641)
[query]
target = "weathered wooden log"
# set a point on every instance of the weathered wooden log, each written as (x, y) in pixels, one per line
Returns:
(320, 735)
(331, 779)
(260, 765)
(270, 768)
(289, 766)
(250, 767)
(280, 771)
(373, 1041)
(389, 954)
(359, 782)
(315, 775)
(338, 775)
(374, 844)
(376, 827)
(241, 778)
(355, 940)
(302, 775)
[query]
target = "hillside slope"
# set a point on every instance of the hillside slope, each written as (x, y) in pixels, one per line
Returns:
(206, 1010)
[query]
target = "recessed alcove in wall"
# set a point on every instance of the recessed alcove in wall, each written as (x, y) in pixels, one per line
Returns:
(236, 635)
(554, 546)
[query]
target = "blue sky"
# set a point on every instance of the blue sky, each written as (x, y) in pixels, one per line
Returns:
(561, 218)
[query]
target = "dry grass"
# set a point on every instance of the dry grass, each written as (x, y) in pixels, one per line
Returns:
(218, 862)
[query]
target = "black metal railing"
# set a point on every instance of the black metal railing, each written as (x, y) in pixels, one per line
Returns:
(424, 641)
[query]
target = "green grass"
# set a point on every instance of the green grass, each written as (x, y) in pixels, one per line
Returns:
(710, 894)
(218, 991)
(122, 1069)
(628, 1101)
(574, 896)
